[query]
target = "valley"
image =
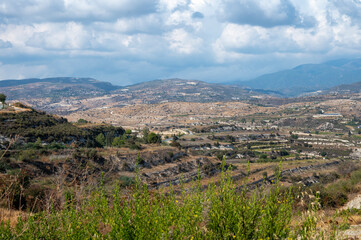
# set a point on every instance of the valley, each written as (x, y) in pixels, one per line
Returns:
(127, 136)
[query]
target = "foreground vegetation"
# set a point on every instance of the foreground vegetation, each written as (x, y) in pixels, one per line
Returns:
(50, 176)
(221, 212)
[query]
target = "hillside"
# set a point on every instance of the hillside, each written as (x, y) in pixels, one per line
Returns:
(346, 88)
(185, 91)
(31, 125)
(67, 95)
(54, 88)
(309, 77)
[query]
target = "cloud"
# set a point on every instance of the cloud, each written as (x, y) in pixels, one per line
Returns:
(60, 36)
(266, 13)
(197, 15)
(80, 10)
(183, 42)
(5, 44)
(237, 40)
(171, 5)
(128, 41)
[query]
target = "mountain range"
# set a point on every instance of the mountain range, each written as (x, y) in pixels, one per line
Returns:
(65, 95)
(308, 77)
(147, 92)
(74, 94)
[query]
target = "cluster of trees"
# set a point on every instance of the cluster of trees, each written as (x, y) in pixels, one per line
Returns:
(35, 125)
(110, 139)
(151, 137)
(127, 139)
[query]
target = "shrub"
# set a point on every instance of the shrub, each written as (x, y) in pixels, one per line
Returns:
(135, 146)
(118, 142)
(82, 121)
(329, 177)
(154, 138)
(27, 155)
(100, 139)
(263, 156)
(294, 136)
(126, 181)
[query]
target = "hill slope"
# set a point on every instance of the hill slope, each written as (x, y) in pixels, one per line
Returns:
(171, 90)
(309, 77)
(346, 88)
(65, 95)
(54, 88)
(32, 124)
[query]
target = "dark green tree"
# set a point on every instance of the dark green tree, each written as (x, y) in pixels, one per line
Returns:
(154, 138)
(117, 142)
(145, 134)
(100, 139)
(2, 99)
(109, 138)
(82, 121)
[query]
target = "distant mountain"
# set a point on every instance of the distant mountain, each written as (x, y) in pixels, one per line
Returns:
(185, 91)
(64, 95)
(55, 88)
(309, 77)
(346, 88)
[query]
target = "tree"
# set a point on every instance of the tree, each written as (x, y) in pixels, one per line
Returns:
(154, 138)
(100, 139)
(117, 142)
(82, 121)
(284, 152)
(294, 136)
(145, 134)
(2, 99)
(109, 138)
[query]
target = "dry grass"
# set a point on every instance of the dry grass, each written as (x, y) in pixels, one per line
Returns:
(10, 216)
(354, 219)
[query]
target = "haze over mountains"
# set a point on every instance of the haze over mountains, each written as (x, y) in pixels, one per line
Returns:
(309, 77)
(73, 94)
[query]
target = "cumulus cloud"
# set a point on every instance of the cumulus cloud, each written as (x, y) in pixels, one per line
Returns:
(70, 10)
(183, 42)
(260, 40)
(60, 36)
(266, 13)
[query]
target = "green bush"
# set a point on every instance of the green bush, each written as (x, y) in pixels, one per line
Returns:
(284, 152)
(27, 155)
(135, 146)
(118, 142)
(126, 181)
(100, 139)
(154, 138)
(355, 177)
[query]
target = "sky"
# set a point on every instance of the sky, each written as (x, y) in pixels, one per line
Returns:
(131, 41)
